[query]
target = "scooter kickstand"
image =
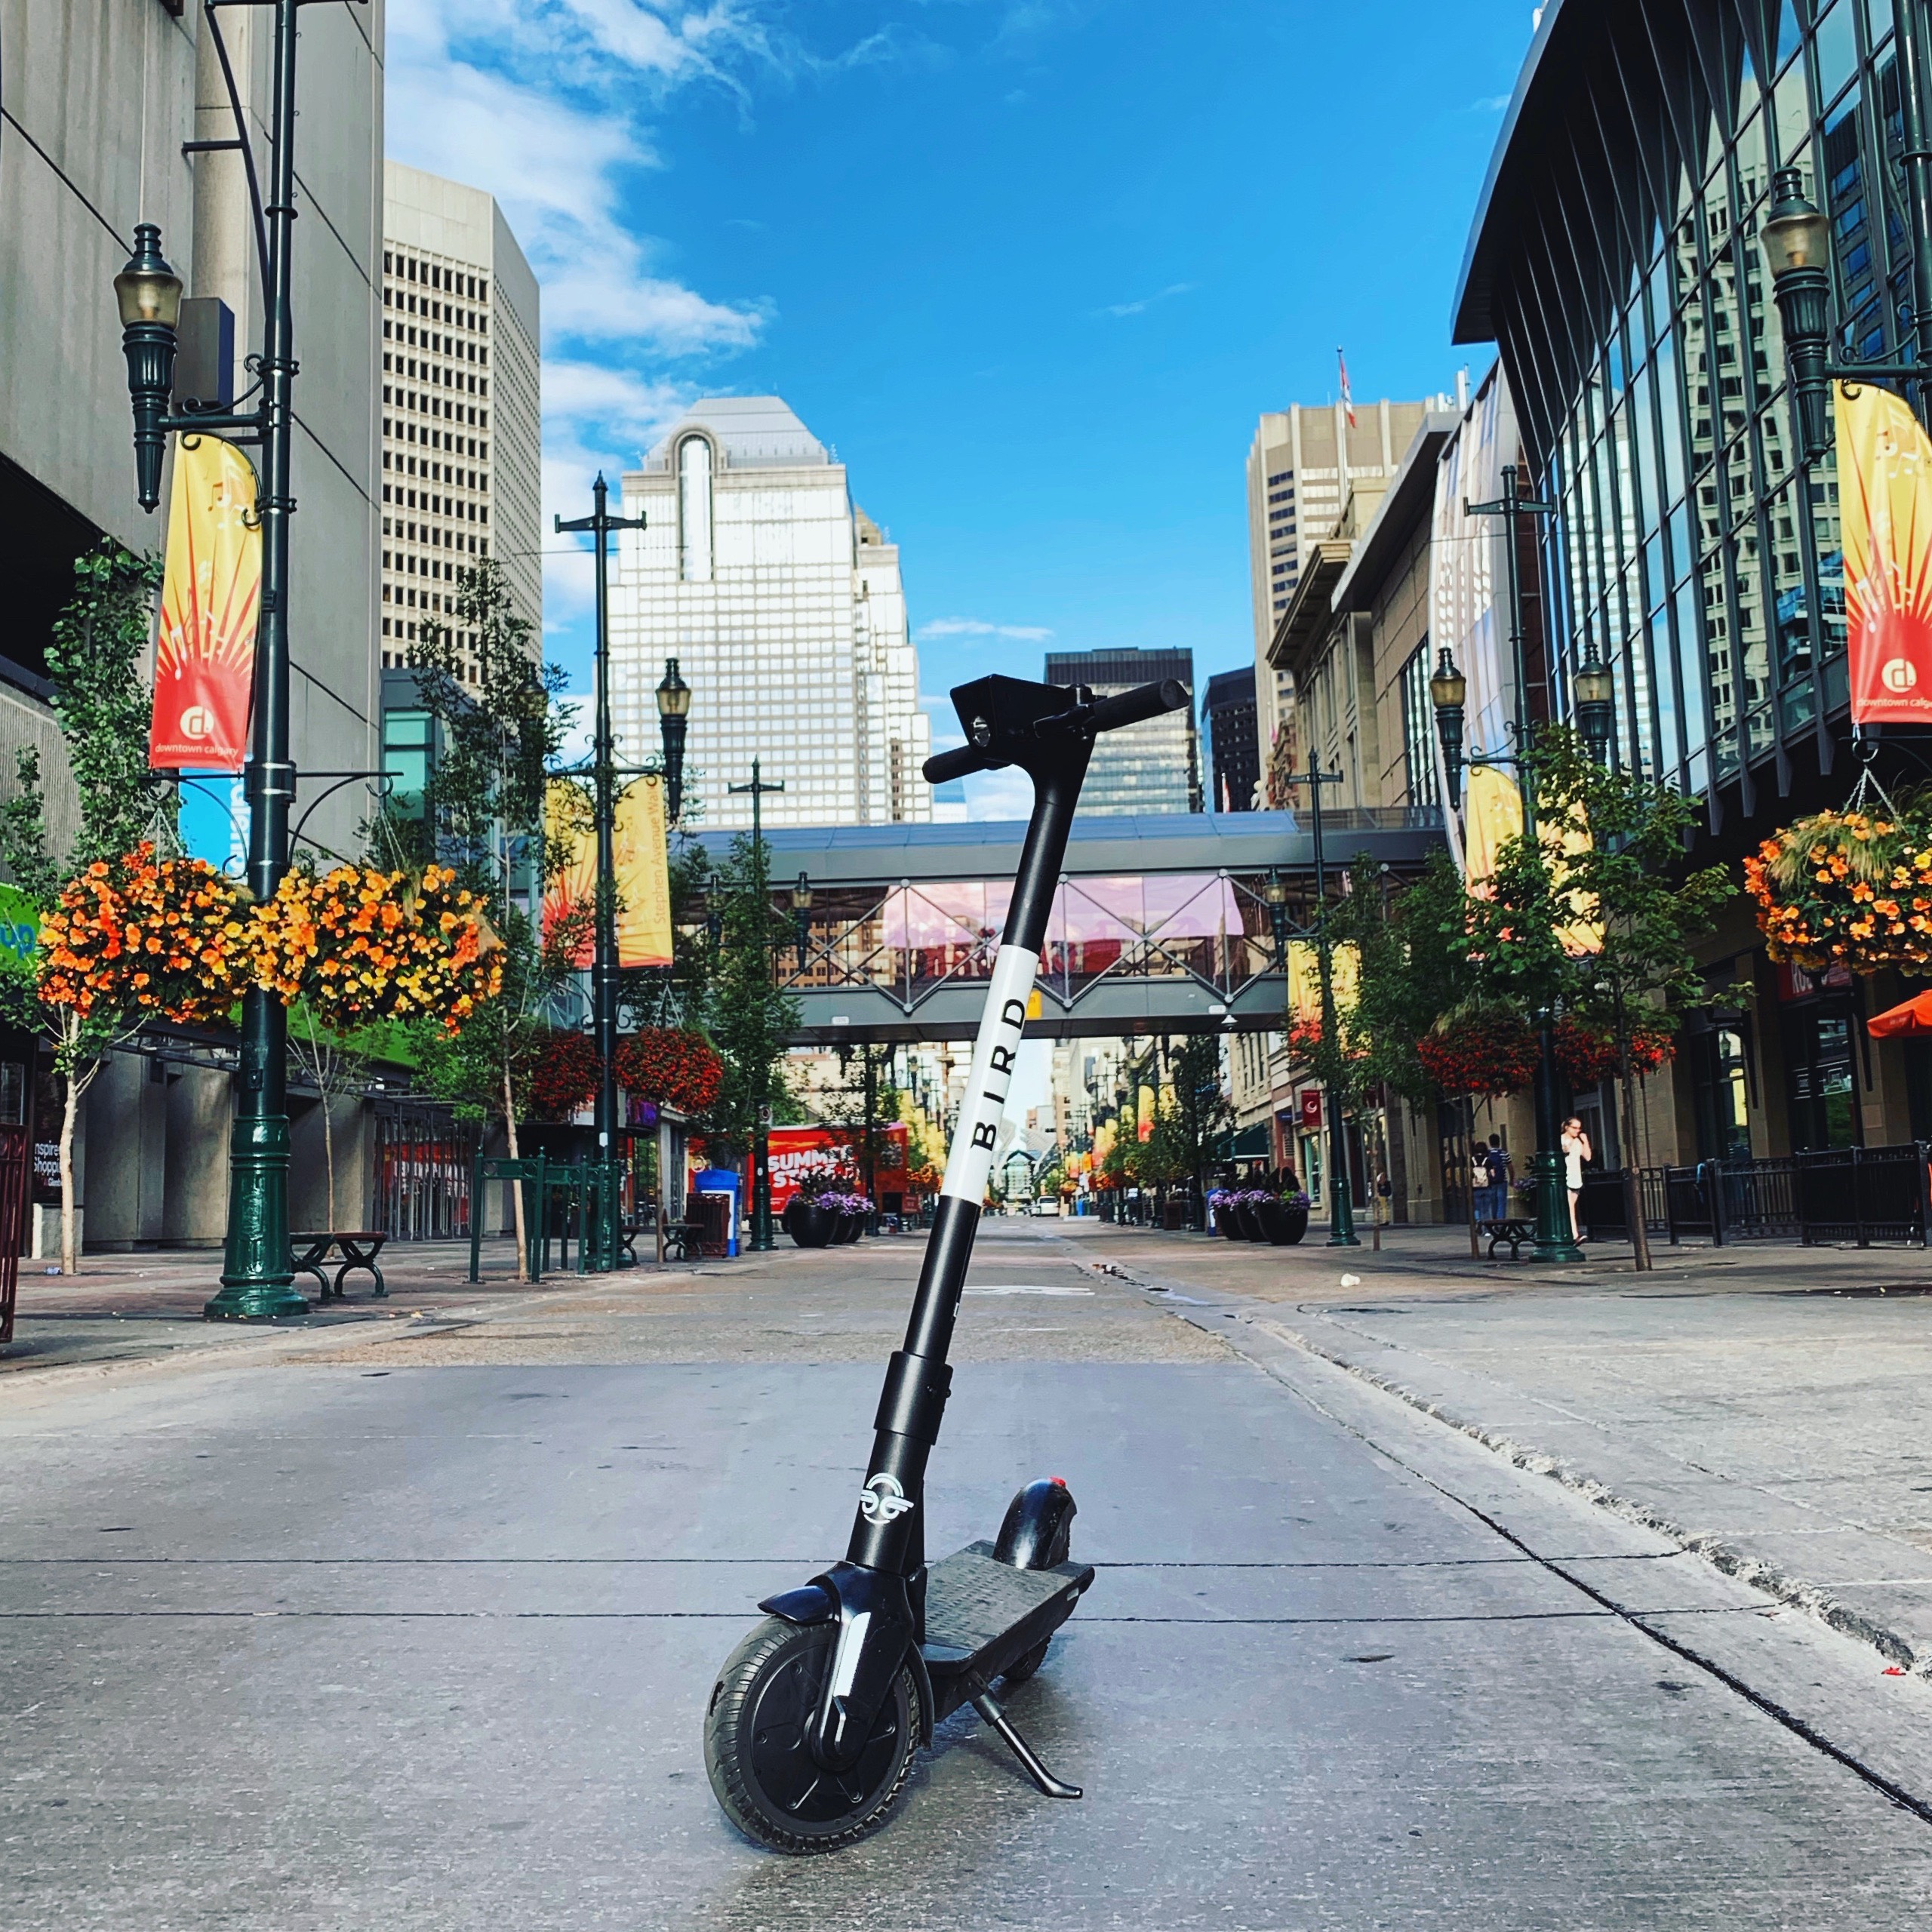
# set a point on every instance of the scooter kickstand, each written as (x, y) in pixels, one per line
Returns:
(993, 1713)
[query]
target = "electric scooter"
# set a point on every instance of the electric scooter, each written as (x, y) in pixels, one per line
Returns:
(812, 1723)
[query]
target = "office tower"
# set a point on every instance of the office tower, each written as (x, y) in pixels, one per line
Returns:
(782, 602)
(462, 427)
(1154, 768)
(1300, 469)
(1233, 753)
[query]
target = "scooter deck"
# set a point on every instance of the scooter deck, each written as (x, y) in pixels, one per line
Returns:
(983, 1615)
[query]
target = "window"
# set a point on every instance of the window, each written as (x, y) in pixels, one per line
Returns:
(1419, 728)
(694, 546)
(407, 739)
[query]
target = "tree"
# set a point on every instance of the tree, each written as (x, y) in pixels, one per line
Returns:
(95, 661)
(332, 1065)
(1196, 1116)
(1597, 919)
(865, 1103)
(750, 1014)
(482, 813)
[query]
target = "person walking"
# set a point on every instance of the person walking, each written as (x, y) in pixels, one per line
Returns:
(1576, 1152)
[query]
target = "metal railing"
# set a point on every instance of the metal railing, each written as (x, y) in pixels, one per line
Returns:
(422, 1177)
(1859, 1195)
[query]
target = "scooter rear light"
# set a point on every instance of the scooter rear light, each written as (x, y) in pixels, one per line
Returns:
(1059, 1482)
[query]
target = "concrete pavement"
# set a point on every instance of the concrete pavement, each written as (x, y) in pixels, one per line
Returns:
(417, 1631)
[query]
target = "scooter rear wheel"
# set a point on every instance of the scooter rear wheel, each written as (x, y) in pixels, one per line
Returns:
(755, 1753)
(1057, 1552)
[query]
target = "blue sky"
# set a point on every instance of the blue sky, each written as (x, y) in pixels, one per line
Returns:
(1032, 267)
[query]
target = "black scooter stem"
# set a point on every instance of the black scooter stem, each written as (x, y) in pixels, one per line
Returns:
(884, 1534)
(878, 1593)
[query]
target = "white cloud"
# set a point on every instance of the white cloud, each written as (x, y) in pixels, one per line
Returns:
(940, 627)
(1147, 302)
(994, 796)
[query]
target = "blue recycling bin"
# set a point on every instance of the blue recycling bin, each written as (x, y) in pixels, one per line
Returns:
(724, 1181)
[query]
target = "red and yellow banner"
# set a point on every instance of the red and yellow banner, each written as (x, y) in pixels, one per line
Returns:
(1885, 504)
(211, 598)
(644, 884)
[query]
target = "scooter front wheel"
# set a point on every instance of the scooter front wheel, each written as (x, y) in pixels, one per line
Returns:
(754, 1749)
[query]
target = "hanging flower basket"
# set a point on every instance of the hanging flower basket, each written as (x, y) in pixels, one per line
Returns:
(675, 1066)
(1588, 1058)
(361, 945)
(172, 935)
(565, 1076)
(1486, 1053)
(1850, 887)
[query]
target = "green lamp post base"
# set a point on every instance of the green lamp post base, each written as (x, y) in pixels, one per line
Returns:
(1554, 1241)
(257, 1282)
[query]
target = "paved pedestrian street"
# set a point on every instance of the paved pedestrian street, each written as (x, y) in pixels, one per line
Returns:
(411, 1623)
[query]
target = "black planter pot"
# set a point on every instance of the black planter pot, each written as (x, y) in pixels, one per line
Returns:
(850, 1227)
(1281, 1225)
(1225, 1220)
(1250, 1226)
(812, 1227)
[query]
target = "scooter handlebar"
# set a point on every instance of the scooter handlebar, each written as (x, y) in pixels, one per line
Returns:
(1137, 706)
(943, 767)
(1132, 707)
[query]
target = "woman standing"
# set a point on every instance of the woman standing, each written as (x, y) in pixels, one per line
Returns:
(1576, 1152)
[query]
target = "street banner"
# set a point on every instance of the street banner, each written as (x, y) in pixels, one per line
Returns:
(567, 823)
(1885, 502)
(1469, 560)
(1305, 979)
(637, 850)
(643, 880)
(211, 598)
(1492, 815)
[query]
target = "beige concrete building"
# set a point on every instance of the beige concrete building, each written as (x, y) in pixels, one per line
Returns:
(461, 405)
(1302, 466)
(99, 100)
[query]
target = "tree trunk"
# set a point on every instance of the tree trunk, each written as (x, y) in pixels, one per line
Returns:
(516, 1186)
(77, 1085)
(1633, 1185)
(1469, 1187)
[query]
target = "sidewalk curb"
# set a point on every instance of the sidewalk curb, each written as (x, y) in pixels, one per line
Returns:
(1725, 1556)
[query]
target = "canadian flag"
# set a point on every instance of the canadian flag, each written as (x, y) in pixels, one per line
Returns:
(1348, 398)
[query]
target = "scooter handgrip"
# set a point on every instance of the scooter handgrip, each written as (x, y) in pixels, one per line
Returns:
(942, 767)
(1136, 706)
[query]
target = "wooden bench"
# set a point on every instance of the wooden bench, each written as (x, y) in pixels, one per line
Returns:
(1514, 1232)
(360, 1247)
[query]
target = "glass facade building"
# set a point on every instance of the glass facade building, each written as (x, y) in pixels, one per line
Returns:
(1615, 262)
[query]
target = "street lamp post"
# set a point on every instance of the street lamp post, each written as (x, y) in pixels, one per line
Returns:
(1342, 1213)
(258, 1279)
(1554, 1239)
(762, 1238)
(603, 960)
(674, 711)
(1796, 240)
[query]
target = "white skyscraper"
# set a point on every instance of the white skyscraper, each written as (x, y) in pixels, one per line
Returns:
(462, 418)
(782, 602)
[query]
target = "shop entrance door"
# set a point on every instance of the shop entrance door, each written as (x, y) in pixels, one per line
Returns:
(1822, 1077)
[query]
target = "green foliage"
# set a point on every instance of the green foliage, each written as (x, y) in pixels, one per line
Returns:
(1415, 968)
(1193, 1120)
(94, 663)
(750, 1016)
